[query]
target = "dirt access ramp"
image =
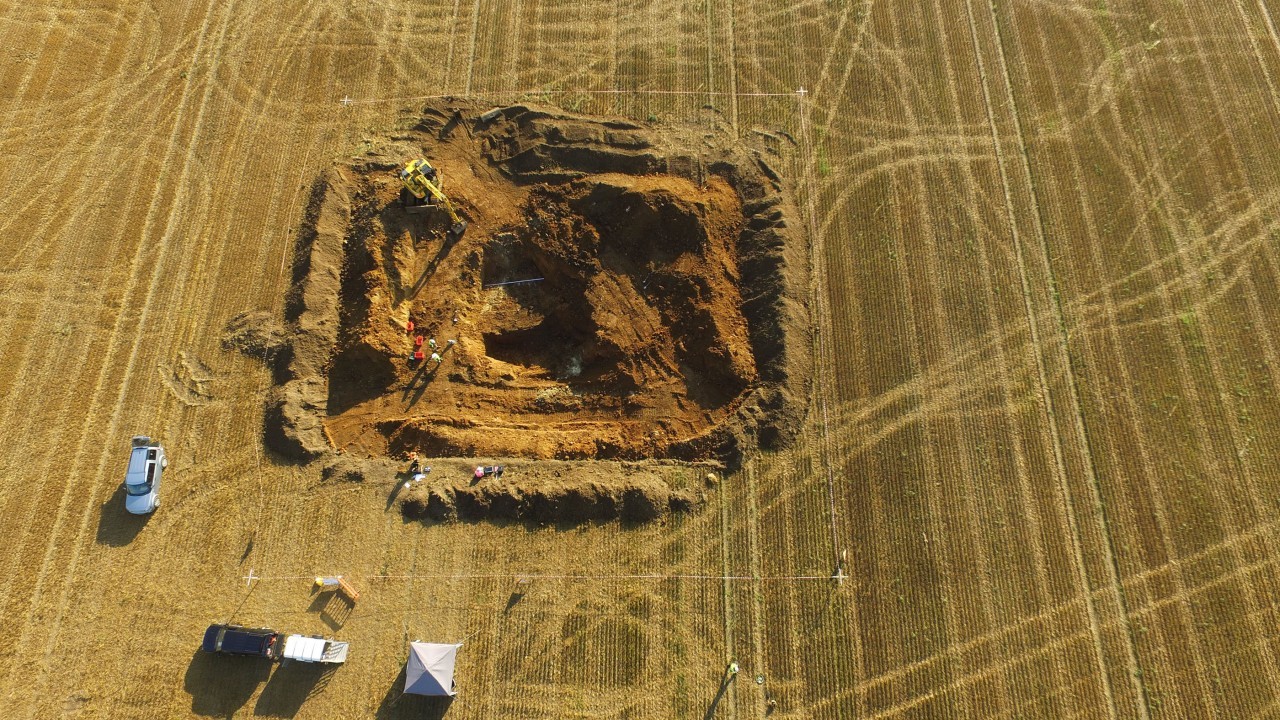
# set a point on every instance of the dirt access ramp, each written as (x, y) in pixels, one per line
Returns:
(622, 292)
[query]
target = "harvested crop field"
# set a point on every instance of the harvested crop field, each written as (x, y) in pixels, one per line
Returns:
(1034, 435)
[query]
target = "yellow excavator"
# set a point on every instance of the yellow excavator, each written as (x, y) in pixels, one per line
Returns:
(423, 190)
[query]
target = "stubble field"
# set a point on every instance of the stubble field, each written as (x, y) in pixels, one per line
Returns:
(1041, 434)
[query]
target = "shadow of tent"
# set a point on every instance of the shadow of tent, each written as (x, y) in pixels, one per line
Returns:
(292, 684)
(116, 526)
(395, 704)
(221, 685)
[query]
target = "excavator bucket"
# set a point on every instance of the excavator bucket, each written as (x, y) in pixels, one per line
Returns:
(458, 228)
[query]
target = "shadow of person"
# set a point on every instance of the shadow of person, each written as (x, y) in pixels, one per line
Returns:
(725, 682)
(220, 685)
(429, 374)
(116, 526)
(413, 381)
(430, 270)
(454, 121)
(402, 482)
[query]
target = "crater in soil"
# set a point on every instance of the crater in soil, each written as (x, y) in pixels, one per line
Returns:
(620, 292)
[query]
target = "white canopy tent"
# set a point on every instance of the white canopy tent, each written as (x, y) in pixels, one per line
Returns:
(430, 668)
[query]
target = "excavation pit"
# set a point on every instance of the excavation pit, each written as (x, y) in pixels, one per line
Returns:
(621, 292)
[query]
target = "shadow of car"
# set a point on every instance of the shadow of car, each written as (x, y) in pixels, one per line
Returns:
(116, 526)
(290, 686)
(220, 685)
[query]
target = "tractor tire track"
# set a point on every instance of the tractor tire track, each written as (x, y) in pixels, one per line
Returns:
(135, 280)
(1050, 419)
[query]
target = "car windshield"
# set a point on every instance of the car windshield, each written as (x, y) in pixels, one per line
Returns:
(138, 489)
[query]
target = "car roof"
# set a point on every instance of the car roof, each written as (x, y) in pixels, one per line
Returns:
(138, 462)
(238, 640)
(144, 461)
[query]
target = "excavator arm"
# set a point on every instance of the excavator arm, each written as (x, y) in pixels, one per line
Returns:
(443, 200)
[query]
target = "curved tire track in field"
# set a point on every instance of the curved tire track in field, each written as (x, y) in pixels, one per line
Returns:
(963, 182)
(1105, 319)
(1183, 270)
(948, 388)
(1174, 267)
(1055, 431)
(136, 279)
(211, 251)
(1041, 641)
(1226, 462)
(50, 367)
(824, 232)
(928, 324)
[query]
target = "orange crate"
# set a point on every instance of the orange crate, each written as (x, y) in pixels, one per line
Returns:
(348, 590)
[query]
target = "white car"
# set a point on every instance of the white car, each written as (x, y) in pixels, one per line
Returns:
(147, 462)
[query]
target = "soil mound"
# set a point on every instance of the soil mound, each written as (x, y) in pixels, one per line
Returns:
(621, 292)
(255, 334)
(546, 502)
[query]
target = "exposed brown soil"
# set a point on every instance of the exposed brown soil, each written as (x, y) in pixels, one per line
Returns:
(621, 292)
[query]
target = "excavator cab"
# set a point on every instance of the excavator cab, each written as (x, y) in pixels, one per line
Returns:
(415, 177)
(424, 190)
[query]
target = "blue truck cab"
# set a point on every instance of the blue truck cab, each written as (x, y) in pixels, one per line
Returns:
(237, 640)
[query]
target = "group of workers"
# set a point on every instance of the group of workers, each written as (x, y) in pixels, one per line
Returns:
(418, 472)
(417, 354)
